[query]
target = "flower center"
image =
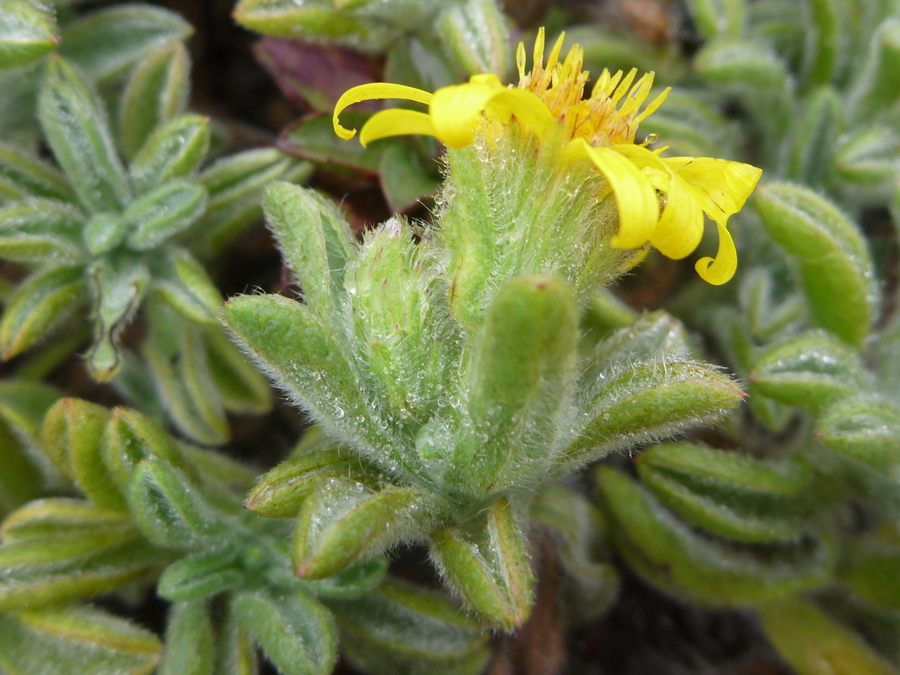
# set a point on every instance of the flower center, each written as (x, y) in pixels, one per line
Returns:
(599, 120)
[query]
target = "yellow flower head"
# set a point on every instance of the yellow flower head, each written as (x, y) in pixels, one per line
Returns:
(549, 102)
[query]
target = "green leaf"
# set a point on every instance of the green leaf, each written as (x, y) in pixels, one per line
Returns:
(315, 238)
(280, 492)
(344, 521)
(131, 438)
(190, 640)
(177, 360)
(604, 314)
(27, 31)
(294, 631)
(313, 138)
(41, 304)
(168, 509)
(235, 184)
(76, 128)
(406, 182)
(832, 258)
(163, 213)
(870, 567)
(809, 370)
(35, 573)
(110, 41)
(418, 63)
(41, 230)
(173, 150)
(221, 473)
(754, 73)
(73, 436)
(65, 519)
(648, 401)
(290, 342)
(887, 358)
(812, 141)
(782, 25)
(814, 644)
(157, 91)
(23, 175)
(520, 382)
(767, 315)
(200, 576)
(118, 286)
(695, 566)
(863, 429)
(728, 494)
(25, 473)
(320, 21)
(718, 18)
(182, 282)
(235, 651)
(607, 47)
(867, 158)
(76, 639)
(735, 336)
(646, 338)
(104, 232)
(242, 388)
(359, 579)
(591, 582)
(23, 405)
(486, 563)
(742, 65)
(827, 40)
(475, 34)
(20, 86)
(403, 630)
(21, 478)
(399, 319)
(875, 87)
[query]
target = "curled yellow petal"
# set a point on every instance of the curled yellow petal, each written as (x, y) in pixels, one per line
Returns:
(719, 270)
(395, 122)
(457, 110)
(368, 92)
(634, 192)
(719, 186)
(680, 226)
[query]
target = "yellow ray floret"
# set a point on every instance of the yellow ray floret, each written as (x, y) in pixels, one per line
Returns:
(600, 129)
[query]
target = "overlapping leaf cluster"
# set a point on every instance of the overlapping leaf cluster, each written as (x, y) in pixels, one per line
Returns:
(143, 507)
(122, 222)
(807, 324)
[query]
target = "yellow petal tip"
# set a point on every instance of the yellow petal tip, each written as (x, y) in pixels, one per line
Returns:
(711, 275)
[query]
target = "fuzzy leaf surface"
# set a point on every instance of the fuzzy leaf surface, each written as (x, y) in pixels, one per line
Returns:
(156, 92)
(809, 370)
(693, 565)
(403, 630)
(832, 257)
(110, 41)
(77, 130)
(295, 632)
(486, 563)
(76, 639)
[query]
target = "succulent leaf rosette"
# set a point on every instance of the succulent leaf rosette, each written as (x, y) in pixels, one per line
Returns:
(441, 361)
